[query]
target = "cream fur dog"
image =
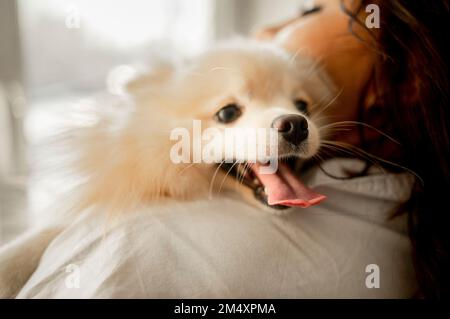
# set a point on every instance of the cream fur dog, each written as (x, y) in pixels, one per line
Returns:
(125, 159)
(122, 155)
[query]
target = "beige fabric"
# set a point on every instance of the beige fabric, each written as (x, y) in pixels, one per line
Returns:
(19, 259)
(226, 248)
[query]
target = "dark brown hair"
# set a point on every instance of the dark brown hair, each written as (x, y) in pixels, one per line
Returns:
(412, 91)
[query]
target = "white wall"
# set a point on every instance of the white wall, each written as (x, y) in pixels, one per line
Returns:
(246, 16)
(254, 14)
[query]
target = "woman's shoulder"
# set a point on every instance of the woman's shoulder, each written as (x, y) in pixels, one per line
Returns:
(225, 248)
(375, 196)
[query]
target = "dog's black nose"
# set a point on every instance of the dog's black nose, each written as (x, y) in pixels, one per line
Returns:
(293, 127)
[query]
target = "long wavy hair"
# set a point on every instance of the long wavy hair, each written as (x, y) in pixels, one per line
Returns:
(411, 88)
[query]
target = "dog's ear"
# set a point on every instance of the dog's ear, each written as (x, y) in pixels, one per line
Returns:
(150, 79)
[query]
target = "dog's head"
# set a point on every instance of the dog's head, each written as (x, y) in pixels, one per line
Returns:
(232, 95)
(176, 143)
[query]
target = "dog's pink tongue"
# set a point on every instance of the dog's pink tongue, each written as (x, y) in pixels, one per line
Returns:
(284, 188)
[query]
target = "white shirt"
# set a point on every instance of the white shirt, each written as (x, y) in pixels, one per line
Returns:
(226, 248)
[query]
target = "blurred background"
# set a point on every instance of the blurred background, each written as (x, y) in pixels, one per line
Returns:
(54, 52)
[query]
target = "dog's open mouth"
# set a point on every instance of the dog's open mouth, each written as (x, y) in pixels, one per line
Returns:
(279, 190)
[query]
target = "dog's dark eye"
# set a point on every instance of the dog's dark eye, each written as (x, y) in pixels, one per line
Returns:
(302, 106)
(228, 114)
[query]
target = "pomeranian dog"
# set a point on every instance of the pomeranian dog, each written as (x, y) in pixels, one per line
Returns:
(128, 155)
(156, 143)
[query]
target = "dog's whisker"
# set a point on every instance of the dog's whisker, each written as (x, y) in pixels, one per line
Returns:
(350, 152)
(354, 123)
(326, 118)
(331, 102)
(240, 174)
(226, 175)
(322, 161)
(323, 150)
(347, 149)
(318, 103)
(295, 55)
(334, 130)
(221, 68)
(372, 157)
(236, 173)
(211, 184)
(244, 172)
(185, 168)
(318, 158)
(247, 168)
